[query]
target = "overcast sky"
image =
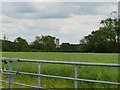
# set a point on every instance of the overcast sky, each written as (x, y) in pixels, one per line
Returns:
(67, 21)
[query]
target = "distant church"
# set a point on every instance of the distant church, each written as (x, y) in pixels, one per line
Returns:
(57, 43)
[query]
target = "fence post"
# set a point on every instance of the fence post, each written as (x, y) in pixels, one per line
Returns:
(75, 77)
(10, 77)
(39, 84)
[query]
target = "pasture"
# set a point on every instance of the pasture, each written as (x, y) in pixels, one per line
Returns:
(84, 72)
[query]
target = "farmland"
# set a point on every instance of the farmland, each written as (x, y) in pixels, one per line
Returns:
(84, 72)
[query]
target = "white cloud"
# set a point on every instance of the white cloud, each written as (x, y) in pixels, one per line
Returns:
(64, 30)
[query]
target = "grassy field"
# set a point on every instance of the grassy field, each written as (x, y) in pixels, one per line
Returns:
(84, 72)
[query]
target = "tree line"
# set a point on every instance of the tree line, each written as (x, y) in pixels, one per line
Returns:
(104, 40)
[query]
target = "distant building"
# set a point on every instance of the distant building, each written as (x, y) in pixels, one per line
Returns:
(57, 43)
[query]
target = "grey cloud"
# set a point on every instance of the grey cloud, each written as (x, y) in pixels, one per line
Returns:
(18, 7)
(6, 21)
(27, 10)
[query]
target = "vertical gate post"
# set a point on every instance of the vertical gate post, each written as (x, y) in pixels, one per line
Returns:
(75, 77)
(39, 84)
(11, 77)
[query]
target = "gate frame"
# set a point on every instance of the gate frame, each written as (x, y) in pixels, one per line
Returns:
(11, 73)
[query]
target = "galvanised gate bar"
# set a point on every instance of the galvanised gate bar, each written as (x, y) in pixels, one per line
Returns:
(11, 73)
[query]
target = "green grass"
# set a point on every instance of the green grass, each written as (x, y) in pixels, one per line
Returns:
(84, 72)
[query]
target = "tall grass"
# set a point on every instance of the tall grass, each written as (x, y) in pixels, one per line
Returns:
(84, 72)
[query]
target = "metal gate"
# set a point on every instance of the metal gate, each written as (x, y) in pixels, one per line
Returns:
(10, 73)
